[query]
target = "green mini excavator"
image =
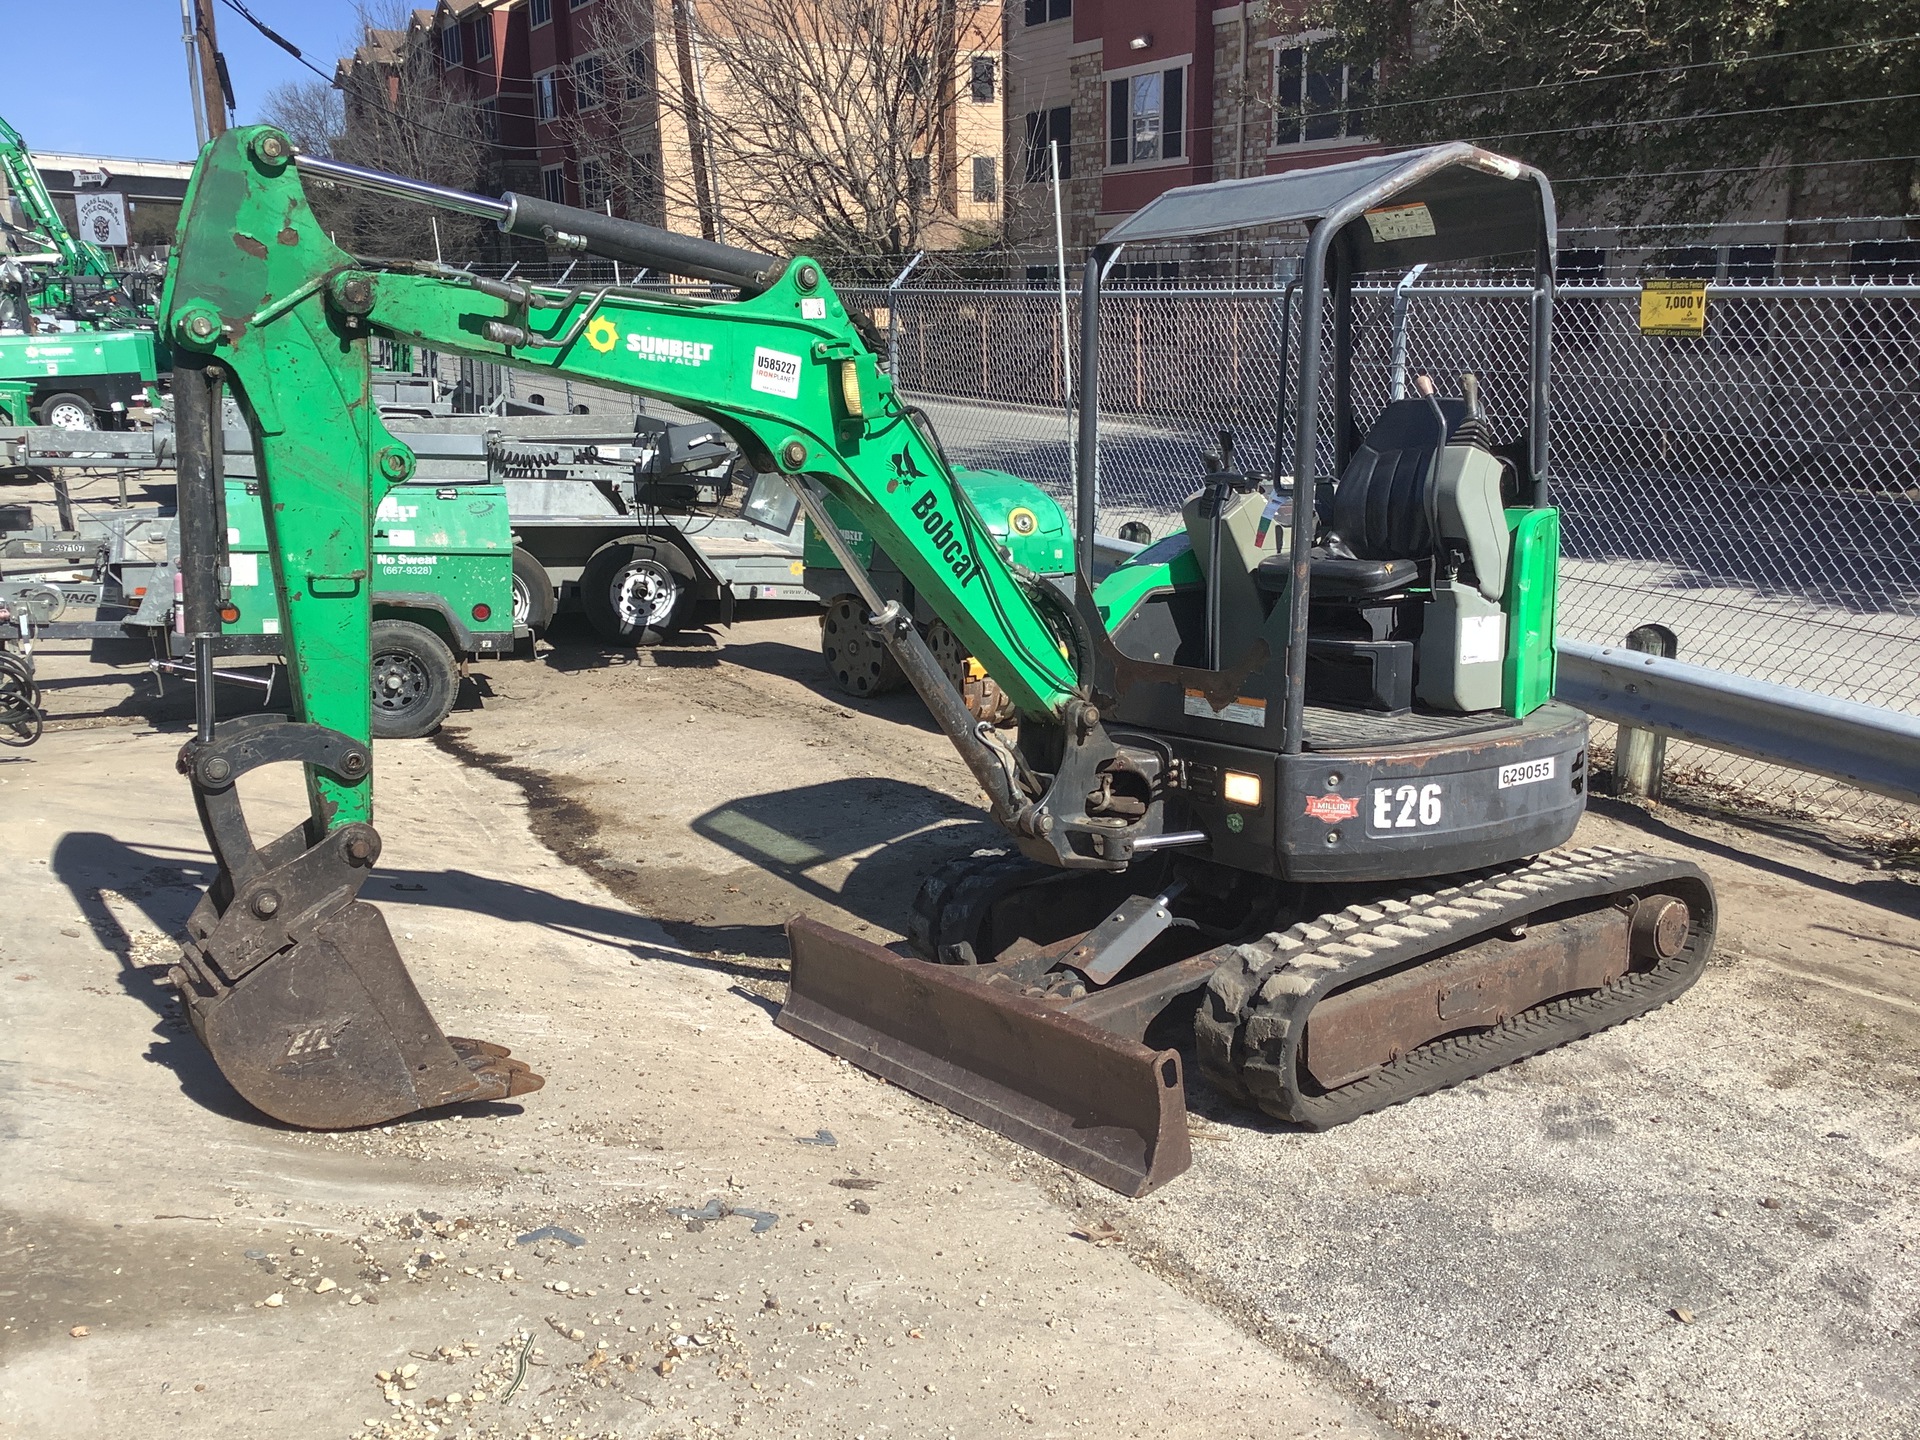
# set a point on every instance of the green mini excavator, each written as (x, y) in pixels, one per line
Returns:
(1294, 772)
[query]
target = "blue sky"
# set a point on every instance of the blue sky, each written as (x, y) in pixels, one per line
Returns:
(109, 77)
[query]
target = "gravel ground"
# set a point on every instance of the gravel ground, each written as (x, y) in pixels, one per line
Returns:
(1700, 1222)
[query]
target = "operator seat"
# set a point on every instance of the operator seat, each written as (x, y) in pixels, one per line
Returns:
(1380, 522)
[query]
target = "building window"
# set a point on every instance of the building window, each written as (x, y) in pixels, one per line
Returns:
(589, 83)
(1753, 264)
(986, 180)
(1044, 129)
(1146, 118)
(645, 168)
(593, 185)
(1583, 266)
(919, 183)
(483, 38)
(539, 12)
(915, 75)
(1039, 12)
(553, 183)
(490, 120)
(577, 4)
(1888, 261)
(546, 95)
(450, 44)
(639, 73)
(1317, 95)
(981, 87)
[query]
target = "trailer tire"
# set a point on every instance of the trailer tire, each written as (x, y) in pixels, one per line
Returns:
(861, 666)
(532, 593)
(414, 680)
(65, 410)
(633, 595)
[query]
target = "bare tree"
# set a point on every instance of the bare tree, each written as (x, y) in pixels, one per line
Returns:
(827, 124)
(400, 113)
(310, 111)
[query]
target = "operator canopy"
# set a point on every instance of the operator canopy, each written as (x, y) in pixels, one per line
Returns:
(1444, 202)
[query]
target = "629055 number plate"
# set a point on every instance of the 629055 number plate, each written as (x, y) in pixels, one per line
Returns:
(1526, 772)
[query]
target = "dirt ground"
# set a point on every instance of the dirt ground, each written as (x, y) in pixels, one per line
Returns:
(1701, 1223)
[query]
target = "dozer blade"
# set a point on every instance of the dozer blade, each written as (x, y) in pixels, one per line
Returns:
(331, 1033)
(1108, 1107)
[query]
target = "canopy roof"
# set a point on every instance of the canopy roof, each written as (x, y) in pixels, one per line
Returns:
(1444, 202)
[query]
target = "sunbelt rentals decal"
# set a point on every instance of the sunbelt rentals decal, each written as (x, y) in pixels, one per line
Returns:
(604, 336)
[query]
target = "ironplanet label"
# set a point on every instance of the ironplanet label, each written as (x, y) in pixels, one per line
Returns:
(946, 538)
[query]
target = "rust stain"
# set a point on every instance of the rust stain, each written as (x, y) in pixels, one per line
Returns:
(288, 236)
(252, 246)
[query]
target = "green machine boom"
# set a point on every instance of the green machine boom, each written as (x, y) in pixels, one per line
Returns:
(1296, 768)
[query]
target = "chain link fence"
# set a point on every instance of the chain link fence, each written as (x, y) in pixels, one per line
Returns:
(1755, 489)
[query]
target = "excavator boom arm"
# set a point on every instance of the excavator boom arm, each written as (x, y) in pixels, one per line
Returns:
(78, 256)
(258, 288)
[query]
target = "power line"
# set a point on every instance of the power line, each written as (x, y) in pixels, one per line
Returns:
(1637, 74)
(1706, 115)
(1737, 170)
(278, 39)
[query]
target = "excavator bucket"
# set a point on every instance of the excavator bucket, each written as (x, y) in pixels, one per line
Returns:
(1097, 1102)
(330, 1033)
(292, 983)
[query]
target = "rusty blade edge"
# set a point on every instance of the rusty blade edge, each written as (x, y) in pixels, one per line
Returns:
(1143, 1154)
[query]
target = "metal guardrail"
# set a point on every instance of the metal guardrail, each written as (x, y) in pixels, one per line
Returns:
(1865, 745)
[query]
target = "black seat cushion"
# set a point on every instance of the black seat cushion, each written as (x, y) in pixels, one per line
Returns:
(1337, 577)
(1379, 509)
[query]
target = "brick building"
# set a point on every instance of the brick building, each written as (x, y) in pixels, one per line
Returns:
(581, 105)
(1145, 95)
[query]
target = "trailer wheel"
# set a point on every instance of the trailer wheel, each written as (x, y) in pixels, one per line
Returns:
(532, 593)
(415, 680)
(631, 596)
(67, 411)
(859, 664)
(984, 699)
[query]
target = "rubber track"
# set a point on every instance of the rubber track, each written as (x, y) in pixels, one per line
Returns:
(953, 901)
(1257, 1004)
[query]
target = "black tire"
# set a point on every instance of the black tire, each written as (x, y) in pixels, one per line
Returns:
(65, 410)
(860, 665)
(415, 680)
(632, 595)
(532, 593)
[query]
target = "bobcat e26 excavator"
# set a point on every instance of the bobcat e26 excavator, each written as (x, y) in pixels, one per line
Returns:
(1301, 758)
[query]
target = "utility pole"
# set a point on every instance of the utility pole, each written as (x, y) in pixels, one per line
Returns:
(212, 69)
(193, 72)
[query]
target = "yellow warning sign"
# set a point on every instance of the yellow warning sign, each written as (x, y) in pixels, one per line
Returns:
(1673, 307)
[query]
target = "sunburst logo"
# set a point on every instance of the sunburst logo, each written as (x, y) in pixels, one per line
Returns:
(601, 334)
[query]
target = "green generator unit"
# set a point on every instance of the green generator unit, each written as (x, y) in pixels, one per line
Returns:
(442, 592)
(75, 380)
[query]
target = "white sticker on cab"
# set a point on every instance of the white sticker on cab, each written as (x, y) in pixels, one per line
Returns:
(776, 373)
